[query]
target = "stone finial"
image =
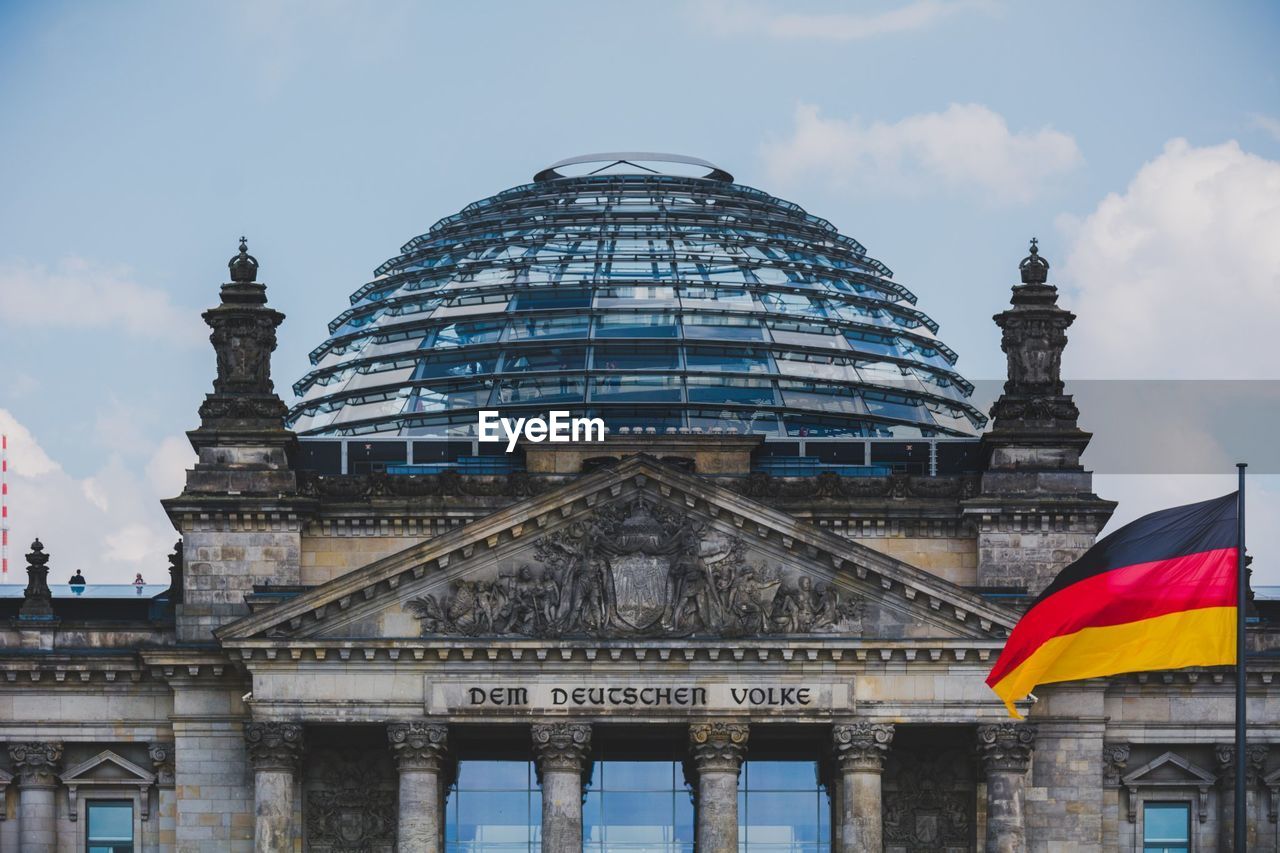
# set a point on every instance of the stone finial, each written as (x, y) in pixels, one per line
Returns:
(273, 746)
(561, 745)
(37, 600)
(418, 745)
(861, 746)
(36, 763)
(1115, 757)
(1034, 269)
(1006, 747)
(1254, 764)
(162, 759)
(243, 266)
(243, 337)
(718, 746)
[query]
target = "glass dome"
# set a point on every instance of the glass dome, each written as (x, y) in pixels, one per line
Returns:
(649, 290)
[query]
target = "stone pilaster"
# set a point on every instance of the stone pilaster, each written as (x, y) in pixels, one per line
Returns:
(421, 754)
(161, 755)
(1255, 763)
(561, 750)
(860, 750)
(36, 766)
(275, 752)
(718, 750)
(1005, 751)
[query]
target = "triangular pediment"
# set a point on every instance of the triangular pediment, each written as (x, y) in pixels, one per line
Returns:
(1169, 770)
(107, 768)
(638, 550)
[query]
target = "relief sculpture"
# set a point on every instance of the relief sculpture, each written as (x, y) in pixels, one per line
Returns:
(637, 569)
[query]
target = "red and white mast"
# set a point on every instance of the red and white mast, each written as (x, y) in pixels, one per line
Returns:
(4, 509)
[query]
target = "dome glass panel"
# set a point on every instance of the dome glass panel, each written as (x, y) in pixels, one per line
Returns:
(648, 290)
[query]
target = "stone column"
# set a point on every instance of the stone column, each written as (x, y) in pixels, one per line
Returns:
(718, 750)
(860, 749)
(1005, 750)
(420, 750)
(36, 765)
(561, 750)
(275, 752)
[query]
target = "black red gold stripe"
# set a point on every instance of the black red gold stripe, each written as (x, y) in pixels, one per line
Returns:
(1159, 593)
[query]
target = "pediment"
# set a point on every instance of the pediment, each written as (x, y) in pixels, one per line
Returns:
(107, 768)
(639, 550)
(1169, 770)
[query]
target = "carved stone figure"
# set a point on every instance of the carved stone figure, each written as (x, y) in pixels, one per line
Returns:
(638, 569)
(929, 802)
(349, 802)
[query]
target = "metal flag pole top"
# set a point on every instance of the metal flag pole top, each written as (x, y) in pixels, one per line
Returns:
(1241, 715)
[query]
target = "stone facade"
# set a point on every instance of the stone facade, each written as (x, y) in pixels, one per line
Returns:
(334, 649)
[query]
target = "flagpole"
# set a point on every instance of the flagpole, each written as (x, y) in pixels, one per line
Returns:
(1241, 715)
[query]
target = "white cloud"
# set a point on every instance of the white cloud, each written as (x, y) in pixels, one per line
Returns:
(109, 525)
(1268, 123)
(78, 294)
(726, 18)
(1178, 276)
(967, 146)
(167, 468)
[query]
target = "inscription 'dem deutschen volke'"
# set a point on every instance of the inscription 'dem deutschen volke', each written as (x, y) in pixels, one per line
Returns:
(642, 697)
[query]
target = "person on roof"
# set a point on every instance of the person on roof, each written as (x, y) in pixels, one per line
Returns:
(77, 579)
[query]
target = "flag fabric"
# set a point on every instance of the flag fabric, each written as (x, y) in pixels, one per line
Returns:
(1159, 593)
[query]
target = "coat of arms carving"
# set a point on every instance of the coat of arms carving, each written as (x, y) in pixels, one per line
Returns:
(639, 569)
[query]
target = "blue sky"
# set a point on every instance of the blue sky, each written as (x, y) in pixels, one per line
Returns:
(1139, 141)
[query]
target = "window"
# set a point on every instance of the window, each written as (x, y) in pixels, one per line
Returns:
(109, 826)
(495, 807)
(783, 808)
(1166, 828)
(637, 806)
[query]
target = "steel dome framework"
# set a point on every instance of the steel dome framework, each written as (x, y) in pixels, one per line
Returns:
(613, 287)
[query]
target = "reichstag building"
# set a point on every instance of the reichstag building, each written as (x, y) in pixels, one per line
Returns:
(756, 617)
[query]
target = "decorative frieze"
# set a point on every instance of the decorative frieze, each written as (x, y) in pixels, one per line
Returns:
(861, 746)
(273, 745)
(718, 746)
(640, 569)
(36, 763)
(418, 745)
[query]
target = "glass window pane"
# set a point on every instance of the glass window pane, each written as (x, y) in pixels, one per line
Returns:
(1166, 824)
(636, 388)
(751, 392)
(636, 325)
(630, 358)
(110, 821)
(532, 326)
(550, 358)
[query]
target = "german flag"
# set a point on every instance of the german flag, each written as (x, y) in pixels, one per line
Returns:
(1159, 593)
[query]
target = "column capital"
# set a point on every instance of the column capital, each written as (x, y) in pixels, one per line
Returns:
(274, 746)
(561, 745)
(418, 745)
(36, 763)
(861, 746)
(1115, 757)
(1255, 762)
(718, 745)
(162, 759)
(1006, 747)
